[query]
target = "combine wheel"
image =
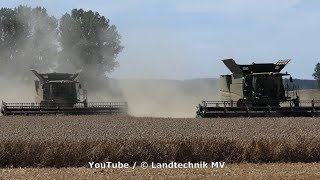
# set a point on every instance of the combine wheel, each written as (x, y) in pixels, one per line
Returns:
(241, 103)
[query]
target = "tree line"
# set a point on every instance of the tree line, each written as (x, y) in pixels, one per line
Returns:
(316, 74)
(81, 41)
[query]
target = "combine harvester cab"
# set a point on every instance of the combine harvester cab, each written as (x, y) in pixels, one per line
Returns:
(258, 90)
(60, 93)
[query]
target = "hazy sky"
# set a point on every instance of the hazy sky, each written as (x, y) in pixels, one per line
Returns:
(181, 39)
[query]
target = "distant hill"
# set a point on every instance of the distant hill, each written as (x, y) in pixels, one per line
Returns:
(305, 83)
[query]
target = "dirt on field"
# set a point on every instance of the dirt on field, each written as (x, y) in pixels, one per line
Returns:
(233, 171)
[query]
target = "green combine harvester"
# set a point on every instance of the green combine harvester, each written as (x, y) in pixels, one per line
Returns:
(60, 93)
(258, 90)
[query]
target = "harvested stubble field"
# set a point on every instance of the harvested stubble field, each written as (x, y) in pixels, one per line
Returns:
(277, 171)
(73, 141)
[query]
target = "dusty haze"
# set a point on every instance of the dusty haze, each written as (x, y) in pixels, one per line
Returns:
(156, 97)
(15, 90)
(145, 97)
(152, 98)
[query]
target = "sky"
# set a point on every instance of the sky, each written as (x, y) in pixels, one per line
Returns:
(184, 39)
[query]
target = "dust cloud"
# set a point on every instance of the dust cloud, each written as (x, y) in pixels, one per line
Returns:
(161, 98)
(157, 97)
(145, 97)
(16, 91)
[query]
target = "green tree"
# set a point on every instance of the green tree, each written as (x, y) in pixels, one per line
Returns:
(89, 44)
(28, 40)
(12, 31)
(41, 44)
(316, 73)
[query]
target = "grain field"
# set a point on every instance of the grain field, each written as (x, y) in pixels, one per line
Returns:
(73, 141)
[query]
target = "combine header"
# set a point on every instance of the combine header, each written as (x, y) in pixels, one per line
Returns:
(258, 90)
(60, 93)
